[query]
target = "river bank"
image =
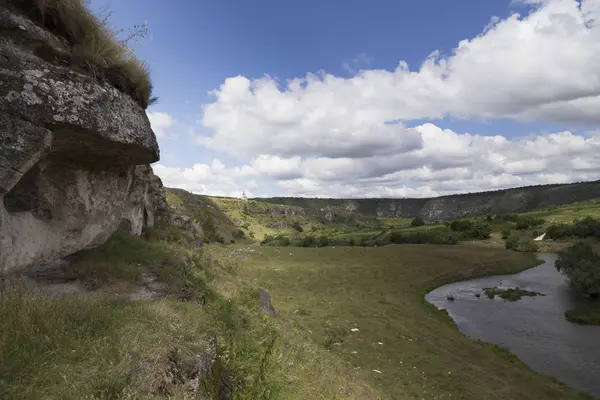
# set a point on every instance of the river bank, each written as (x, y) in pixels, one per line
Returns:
(533, 328)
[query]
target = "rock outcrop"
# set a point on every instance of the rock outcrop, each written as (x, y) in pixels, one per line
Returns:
(74, 152)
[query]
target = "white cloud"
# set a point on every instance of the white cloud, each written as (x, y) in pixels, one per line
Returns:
(214, 178)
(327, 135)
(161, 123)
(545, 65)
(448, 162)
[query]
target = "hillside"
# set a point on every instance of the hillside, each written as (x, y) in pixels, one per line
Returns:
(515, 200)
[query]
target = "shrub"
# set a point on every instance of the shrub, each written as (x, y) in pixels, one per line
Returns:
(239, 234)
(296, 225)
(461, 225)
(587, 227)
(308, 241)
(323, 241)
(505, 234)
(526, 222)
(512, 242)
(480, 230)
(515, 243)
(351, 242)
(581, 264)
(418, 221)
(558, 231)
(507, 217)
(437, 236)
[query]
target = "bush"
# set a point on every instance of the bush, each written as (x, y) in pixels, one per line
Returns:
(461, 225)
(323, 241)
(512, 242)
(296, 225)
(434, 236)
(526, 222)
(507, 217)
(308, 241)
(418, 221)
(480, 230)
(581, 264)
(558, 231)
(585, 228)
(515, 243)
(239, 234)
(505, 234)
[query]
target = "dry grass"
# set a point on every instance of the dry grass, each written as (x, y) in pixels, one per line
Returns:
(95, 46)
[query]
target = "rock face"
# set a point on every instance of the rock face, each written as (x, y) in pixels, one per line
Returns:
(74, 152)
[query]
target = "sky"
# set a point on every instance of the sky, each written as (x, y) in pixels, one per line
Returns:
(378, 98)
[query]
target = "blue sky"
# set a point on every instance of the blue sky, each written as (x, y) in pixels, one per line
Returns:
(510, 80)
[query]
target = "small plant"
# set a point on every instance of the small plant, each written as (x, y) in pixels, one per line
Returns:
(418, 221)
(505, 234)
(296, 225)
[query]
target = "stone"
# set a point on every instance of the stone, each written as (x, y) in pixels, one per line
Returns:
(74, 152)
(265, 302)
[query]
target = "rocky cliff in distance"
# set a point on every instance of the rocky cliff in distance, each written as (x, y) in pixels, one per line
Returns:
(74, 151)
(451, 207)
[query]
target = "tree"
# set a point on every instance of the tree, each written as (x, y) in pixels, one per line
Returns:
(581, 264)
(418, 221)
(480, 230)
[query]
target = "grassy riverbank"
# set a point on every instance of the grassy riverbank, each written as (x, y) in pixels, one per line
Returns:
(352, 324)
(366, 307)
(584, 317)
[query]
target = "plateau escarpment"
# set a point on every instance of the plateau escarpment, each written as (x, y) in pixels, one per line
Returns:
(449, 207)
(74, 148)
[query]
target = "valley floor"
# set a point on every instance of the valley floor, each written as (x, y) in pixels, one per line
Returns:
(351, 323)
(366, 306)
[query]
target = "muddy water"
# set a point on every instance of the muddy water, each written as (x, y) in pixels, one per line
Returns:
(533, 328)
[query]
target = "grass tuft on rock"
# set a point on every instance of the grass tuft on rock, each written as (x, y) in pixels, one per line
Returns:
(94, 45)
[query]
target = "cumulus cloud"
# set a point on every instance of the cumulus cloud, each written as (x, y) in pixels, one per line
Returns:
(214, 178)
(545, 65)
(448, 162)
(328, 135)
(161, 123)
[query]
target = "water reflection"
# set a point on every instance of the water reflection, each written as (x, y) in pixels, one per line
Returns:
(534, 328)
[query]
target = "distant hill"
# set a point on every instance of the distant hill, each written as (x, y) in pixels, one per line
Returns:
(515, 200)
(229, 219)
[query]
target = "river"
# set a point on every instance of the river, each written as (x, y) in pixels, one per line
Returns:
(533, 328)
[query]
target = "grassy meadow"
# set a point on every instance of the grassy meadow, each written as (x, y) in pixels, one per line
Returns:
(401, 346)
(351, 322)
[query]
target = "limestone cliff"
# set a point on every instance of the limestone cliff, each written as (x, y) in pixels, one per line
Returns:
(74, 151)
(447, 207)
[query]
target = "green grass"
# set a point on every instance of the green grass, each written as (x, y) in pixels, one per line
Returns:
(569, 213)
(328, 292)
(511, 294)
(96, 347)
(95, 47)
(585, 317)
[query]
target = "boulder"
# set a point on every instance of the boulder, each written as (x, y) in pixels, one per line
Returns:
(74, 152)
